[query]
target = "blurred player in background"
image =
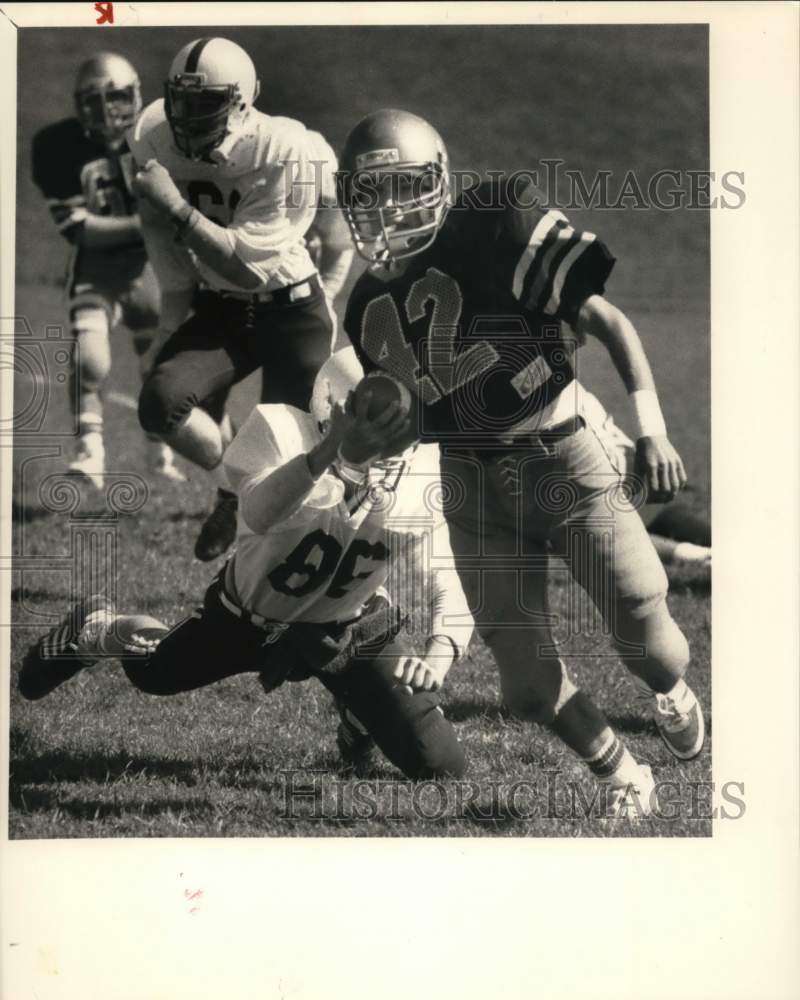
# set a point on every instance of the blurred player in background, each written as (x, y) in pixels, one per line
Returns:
(464, 303)
(231, 195)
(300, 596)
(83, 167)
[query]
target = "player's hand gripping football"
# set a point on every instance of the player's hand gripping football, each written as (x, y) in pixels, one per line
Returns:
(369, 438)
(153, 183)
(660, 468)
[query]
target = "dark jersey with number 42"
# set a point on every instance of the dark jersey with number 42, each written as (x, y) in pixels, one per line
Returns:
(473, 325)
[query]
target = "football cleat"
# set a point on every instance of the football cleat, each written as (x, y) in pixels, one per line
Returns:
(633, 801)
(66, 649)
(161, 461)
(211, 87)
(357, 748)
(89, 461)
(108, 97)
(393, 185)
(678, 718)
(219, 530)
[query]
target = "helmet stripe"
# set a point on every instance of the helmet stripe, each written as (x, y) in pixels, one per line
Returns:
(194, 55)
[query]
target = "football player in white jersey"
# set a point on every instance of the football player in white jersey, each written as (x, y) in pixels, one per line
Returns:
(228, 195)
(465, 302)
(82, 166)
(321, 514)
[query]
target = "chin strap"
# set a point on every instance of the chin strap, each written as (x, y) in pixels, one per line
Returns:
(355, 474)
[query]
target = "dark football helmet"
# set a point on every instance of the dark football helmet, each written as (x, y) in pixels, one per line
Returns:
(108, 97)
(393, 185)
(211, 87)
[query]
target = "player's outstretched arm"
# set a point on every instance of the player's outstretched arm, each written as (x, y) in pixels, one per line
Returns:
(451, 628)
(657, 461)
(214, 245)
(270, 498)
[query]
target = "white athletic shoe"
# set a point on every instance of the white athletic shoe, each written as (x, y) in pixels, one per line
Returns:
(67, 648)
(89, 461)
(678, 718)
(634, 801)
(161, 461)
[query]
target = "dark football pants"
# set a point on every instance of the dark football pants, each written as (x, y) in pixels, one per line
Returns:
(214, 644)
(225, 341)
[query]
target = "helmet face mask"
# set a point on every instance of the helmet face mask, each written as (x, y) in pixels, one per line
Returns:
(199, 116)
(396, 212)
(208, 95)
(393, 185)
(108, 98)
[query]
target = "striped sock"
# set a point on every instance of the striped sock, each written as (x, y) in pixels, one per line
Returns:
(613, 762)
(90, 423)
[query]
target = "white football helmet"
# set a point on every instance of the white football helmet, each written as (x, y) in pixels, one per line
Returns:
(211, 87)
(340, 374)
(108, 97)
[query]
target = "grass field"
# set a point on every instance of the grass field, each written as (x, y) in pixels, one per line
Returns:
(98, 758)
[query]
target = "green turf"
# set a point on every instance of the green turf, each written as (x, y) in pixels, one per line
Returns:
(99, 759)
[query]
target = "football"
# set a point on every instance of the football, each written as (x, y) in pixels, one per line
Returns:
(383, 389)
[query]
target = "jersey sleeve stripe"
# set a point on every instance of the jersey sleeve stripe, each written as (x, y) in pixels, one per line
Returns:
(563, 270)
(543, 270)
(540, 232)
(66, 217)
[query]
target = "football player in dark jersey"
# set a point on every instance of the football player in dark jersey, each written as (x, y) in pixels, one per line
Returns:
(83, 168)
(466, 301)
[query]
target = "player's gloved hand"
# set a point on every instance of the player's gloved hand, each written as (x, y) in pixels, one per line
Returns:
(660, 467)
(367, 439)
(154, 184)
(421, 675)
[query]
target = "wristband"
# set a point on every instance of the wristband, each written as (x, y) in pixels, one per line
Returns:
(647, 415)
(441, 637)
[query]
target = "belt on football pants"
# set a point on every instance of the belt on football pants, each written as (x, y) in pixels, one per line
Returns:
(268, 625)
(265, 624)
(550, 435)
(279, 297)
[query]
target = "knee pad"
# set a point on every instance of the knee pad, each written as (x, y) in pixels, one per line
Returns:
(163, 403)
(90, 328)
